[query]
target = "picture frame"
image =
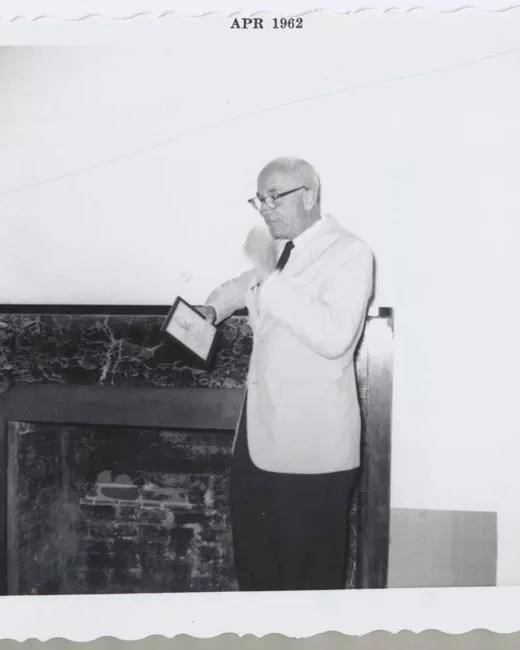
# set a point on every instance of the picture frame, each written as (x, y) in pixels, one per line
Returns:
(189, 329)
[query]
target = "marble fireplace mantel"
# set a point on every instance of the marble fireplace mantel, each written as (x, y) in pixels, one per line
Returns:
(112, 366)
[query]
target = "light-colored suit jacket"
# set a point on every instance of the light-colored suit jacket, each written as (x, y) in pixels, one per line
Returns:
(303, 413)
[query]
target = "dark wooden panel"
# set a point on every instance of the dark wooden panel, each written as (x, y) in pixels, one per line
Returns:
(126, 310)
(81, 310)
(12, 513)
(374, 495)
(3, 499)
(191, 408)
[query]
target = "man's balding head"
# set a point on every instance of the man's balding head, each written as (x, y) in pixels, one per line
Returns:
(297, 169)
(298, 210)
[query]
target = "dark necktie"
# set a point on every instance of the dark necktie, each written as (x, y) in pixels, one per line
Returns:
(285, 255)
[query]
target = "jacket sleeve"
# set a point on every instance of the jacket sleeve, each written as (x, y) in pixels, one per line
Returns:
(329, 324)
(230, 296)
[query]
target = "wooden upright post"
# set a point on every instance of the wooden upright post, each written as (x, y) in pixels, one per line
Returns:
(374, 489)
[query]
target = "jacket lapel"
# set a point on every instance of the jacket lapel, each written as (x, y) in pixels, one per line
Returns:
(325, 237)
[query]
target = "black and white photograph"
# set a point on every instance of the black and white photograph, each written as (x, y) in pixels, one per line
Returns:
(259, 308)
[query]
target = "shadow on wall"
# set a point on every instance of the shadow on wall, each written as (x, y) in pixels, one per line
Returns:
(442, 548)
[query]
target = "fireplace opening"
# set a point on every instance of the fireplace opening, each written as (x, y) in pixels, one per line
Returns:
(118, 509)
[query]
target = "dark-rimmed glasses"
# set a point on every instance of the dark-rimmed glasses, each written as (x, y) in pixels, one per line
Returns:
(270, 201)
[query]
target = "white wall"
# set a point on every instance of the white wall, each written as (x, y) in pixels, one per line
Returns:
(124, 177)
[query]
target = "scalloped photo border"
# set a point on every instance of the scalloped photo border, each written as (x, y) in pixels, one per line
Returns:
(81, 10)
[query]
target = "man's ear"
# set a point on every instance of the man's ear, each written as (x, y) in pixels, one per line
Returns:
(310, 197)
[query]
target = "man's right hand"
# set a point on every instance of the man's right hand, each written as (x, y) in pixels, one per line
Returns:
(208, 312)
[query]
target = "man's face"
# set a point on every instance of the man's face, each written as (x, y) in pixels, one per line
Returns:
(286, 220)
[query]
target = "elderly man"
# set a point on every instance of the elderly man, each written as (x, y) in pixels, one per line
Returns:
(298, 440)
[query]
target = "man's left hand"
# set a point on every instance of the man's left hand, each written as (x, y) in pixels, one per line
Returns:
(260, 249)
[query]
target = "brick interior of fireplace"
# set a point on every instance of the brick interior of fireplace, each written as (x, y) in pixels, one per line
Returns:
(99, 509)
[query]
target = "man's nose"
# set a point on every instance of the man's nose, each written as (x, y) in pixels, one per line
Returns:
(266, 211)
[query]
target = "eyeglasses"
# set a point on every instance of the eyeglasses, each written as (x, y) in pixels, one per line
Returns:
(270, 201)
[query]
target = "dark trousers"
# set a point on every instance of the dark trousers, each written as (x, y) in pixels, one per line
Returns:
(289, 530)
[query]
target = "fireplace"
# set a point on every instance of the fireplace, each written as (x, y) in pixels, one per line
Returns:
(117, 509)
(116, 451)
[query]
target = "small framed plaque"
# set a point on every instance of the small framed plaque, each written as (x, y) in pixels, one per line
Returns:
(191, 330)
